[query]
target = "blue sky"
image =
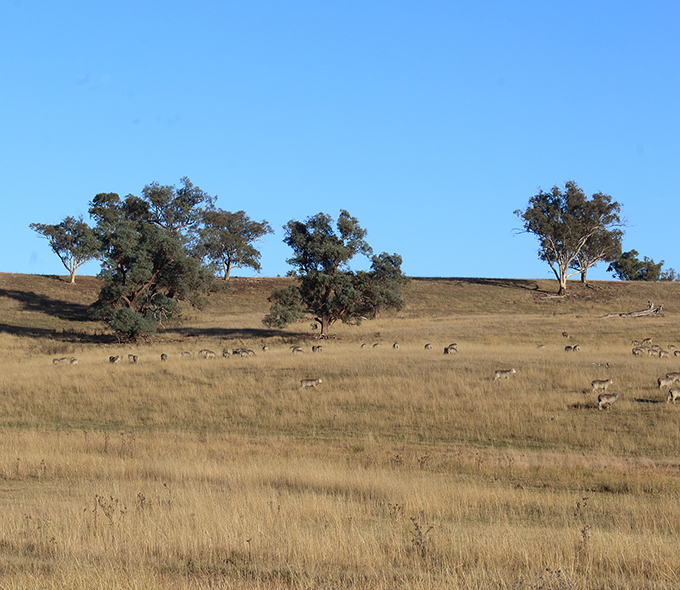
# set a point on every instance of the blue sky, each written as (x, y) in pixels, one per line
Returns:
(429, 121)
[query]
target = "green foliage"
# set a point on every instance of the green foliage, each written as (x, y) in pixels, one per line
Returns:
(573, 231)
(131, 325)
(327, 288)
(72, 240)
(227, 238)
(628, 267)
(148, 266)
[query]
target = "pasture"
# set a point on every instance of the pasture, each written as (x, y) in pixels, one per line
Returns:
(403, 468)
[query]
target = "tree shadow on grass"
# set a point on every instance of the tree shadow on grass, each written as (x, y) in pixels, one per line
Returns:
(519, 284)
(63, 310)
(230, 333)
(73, 336)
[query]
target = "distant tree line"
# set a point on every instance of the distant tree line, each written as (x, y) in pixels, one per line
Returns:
(164, 247)
(576, 232)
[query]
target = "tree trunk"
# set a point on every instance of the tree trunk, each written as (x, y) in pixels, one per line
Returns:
(73, 276)
(325, 326)
(583, 276)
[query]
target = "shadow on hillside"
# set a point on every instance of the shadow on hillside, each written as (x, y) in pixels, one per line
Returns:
(75, 312)
(226, 333)
(74, 336)
(522, 284)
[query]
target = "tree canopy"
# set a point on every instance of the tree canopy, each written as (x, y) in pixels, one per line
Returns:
(148, 267)
(327, 288)
(227, 238)
(574, 232)
(628, 267)
(72, 240)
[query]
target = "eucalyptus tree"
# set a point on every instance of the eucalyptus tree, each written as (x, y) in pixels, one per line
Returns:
(327, 289)
(628, 267)
(72, 240)
(569, 227)
(147, 263)
(227, 238)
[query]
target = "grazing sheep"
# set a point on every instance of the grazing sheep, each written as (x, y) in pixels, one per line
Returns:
(602, 384)
(297, 350)
(60, 361)
(115, 359)
(647, 341)
(395, 345)
(133, 358)
(675, 375)
(225, 353)
(635, 343)
(665, 382)
(451, 348)
(540, 346)
(568, 348)
(363, 345)
(664, 354)
(185, 355)
(317, 348)
(605, 400)
(309, 382)
(673, 394)
(164, 358)
(565, 334)
(671, 347)
(676, 353)
(576, 348)
(428, 346)
(243, 352)
(73, 361)
(376, 345)
(265, 348)
(503, 374)
(638, 351)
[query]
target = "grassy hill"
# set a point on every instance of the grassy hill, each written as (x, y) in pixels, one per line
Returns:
(404, 468)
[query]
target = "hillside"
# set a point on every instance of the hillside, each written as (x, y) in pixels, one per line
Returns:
(36, 305)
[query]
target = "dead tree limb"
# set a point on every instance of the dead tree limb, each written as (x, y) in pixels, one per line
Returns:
(649, 312)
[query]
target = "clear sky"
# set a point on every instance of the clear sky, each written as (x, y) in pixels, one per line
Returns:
(429, 121)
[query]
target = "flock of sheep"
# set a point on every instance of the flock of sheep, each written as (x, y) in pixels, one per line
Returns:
(599, 386)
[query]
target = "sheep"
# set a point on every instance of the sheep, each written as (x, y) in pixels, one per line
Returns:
(363, 345)
(60, 361)
(665, 382)
(317, 348)
(576, 348)
(73, 361)
(671, 347)
(675, 375)
(503, 374)
(638, 351)
(428, 346)
(309, 382)
(395, 345)
(673, 394)
(602, 384)
(133, 358)
(164, 358)
(115, 359)
(297, 350)
(451, 348)
(664, 354)
(265, 348)
(225, 353)
(568, 348)
(185, 355)
(676, 353)
(565, 334)
(647, 341)
(605, 400)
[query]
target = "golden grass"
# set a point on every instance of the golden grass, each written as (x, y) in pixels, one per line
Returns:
(404, 468)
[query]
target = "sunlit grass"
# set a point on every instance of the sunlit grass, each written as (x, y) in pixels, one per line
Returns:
(404, 468)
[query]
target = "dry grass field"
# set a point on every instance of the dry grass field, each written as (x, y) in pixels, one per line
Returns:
(403, 468)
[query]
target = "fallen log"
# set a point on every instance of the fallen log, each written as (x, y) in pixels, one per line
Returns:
(650, 311)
